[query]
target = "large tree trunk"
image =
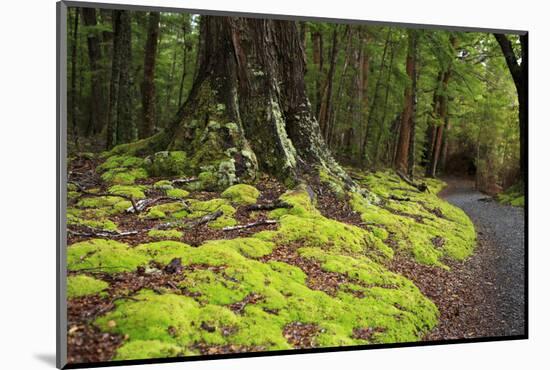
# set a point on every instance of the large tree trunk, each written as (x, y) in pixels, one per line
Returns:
(518, 70)
(97, 98)
(148, 86)
(248, 109)
(402, 154)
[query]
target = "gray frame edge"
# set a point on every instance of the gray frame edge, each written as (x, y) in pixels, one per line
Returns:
(61, 188)
(288, 17)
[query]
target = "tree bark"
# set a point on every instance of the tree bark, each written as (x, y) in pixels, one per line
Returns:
(519, 73)
(73, 75)
(412, 137)
(317, 42)
(326, 104)
(248, 109)
(121, 127)
(148, 86)
(97, 98)
(440, 127)
(402, 154)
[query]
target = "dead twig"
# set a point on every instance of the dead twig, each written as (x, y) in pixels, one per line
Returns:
(269, 206)
(143, 204)
(249, 225)
(103, 233)
(205, 219)
(184, 181)
(84, 192)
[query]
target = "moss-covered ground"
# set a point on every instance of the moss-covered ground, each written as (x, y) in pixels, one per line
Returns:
(180, 286)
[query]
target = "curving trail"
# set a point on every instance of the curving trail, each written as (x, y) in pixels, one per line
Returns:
(498, 263)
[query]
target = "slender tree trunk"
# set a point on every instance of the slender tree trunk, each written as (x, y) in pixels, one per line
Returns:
(440, 127)
(412, 137)
(184, 67)
(73, 76)
(326, 104)
(385, 110)
(519, 71)
(402, 154)
(339, 95)
(370, 119)
(121, 127)
(317, 41)
(148, 86)
(97, 96)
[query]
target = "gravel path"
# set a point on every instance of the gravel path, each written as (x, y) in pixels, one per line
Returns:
(497, 267)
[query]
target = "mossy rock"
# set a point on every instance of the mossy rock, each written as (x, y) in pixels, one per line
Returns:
(241, 194)
(82, 285)
(166, 163)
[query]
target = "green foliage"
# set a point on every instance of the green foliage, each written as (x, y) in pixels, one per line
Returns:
(513, 196)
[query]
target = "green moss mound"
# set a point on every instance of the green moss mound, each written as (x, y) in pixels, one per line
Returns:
(82, 285)
(165, 234)
(238, 292)
(122, 169)
(177, 193)
(166, 163)
(103, 255)
(420, 223)
(241, 194)
(135, 192)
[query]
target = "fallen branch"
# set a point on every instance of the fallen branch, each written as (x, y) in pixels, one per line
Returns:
(184, 181)
(205, 219)
(401, 199)
(103, 233)
(269, 206)
(420, 186)
(249, 225)
(87, 193)
(142, 205)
